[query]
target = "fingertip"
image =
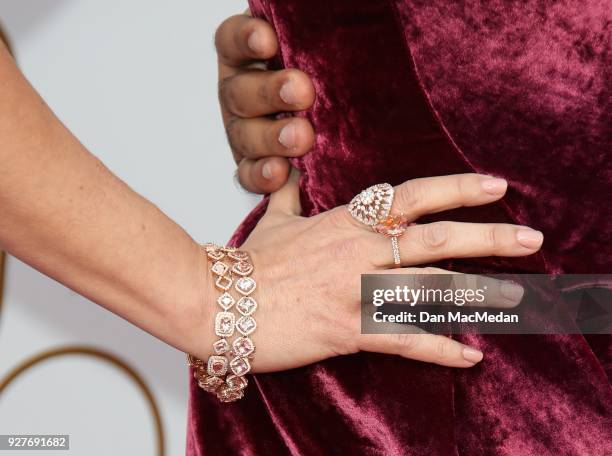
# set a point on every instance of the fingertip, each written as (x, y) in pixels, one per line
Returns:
(305, 135)
(261, 39)
(494, 186)
(270, 174)
(471, 355)
(297, 90)
(241, 39)
(296, 136)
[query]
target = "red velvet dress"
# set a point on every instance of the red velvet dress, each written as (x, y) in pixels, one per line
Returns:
(408, 89)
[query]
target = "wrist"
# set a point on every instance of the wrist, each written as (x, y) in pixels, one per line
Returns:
(199, 334)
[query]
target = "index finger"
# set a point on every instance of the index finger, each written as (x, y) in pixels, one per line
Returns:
(242, 39)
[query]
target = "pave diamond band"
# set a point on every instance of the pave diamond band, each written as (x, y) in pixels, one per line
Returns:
(224, 372)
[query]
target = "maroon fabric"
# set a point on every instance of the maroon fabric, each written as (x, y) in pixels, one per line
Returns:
(408, 89)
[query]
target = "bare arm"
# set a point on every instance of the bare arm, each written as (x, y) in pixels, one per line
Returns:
(63, 212)
(66, 214)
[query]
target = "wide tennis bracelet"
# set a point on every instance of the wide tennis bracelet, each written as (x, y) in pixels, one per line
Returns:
(223, 374)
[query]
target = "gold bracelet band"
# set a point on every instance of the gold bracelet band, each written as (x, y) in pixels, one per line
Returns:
(224, 372)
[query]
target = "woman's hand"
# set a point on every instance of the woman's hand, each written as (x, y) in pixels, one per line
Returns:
(248, 96)
(308, 270)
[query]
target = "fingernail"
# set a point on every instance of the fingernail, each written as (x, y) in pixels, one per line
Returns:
(494, 185)
(287, 93)
(512, 291)
(532, 239)
(266, 171)
(287, 136)
(472, 355)
(255, 42)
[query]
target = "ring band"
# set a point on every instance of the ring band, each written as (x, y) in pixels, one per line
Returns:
(397, 259)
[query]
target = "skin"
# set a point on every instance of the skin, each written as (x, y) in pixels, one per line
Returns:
(249, 95)
(315, 309)
(65, 214)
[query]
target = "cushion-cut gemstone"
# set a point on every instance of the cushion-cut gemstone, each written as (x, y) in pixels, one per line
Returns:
(245, 285)
(224, 324)
(243, 346)
(223, 282)
(242, 268)
(220, 268)
(246, 305)
(221, 346)
(240, 366)
(235, 382)
(210, 383)
(215, 255)
(229, 394)
(392, 225)
(238, 255)
(246, 325)
(217, 365)
(226, 301)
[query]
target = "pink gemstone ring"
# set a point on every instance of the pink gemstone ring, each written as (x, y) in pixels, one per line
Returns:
(393, 226)
(372, 207)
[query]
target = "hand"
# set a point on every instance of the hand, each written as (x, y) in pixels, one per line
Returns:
(308, 270)
(249, 95)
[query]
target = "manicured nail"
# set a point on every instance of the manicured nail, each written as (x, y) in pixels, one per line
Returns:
(494, 185)
(512, 291)
(532, 239)
(288, 136)
(255, 42)
(266, 171)
(472, 355)
(287, 93)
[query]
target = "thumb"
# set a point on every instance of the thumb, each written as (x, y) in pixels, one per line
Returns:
(286, 200)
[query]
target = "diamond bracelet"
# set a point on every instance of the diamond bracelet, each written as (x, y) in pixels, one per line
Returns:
(224, 372)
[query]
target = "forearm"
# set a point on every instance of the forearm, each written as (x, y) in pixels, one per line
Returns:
(64, 213)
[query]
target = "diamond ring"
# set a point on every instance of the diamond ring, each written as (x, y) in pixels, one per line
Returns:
(372, 207)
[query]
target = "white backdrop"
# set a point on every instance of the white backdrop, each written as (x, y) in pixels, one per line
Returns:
(136, 82)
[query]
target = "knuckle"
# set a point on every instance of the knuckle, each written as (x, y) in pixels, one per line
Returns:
(339, 218)
(218, 37)
(229, 31)
(435, 236)
(410, 195)
(406, 343)
(270, 138)
(442, 349)
(462, 186)
(225, 92)
(229, 98)
(492, 238)
(244, 178)
(233, 132)
(264, 91)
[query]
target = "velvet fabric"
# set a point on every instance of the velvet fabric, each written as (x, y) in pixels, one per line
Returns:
(406, 89)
